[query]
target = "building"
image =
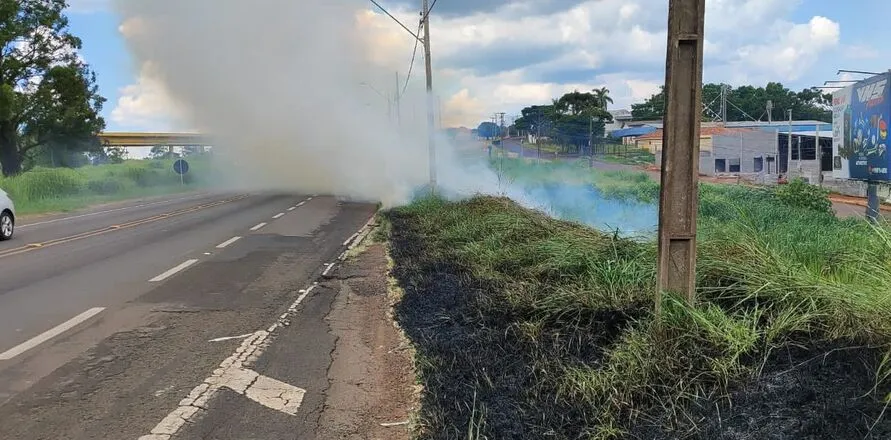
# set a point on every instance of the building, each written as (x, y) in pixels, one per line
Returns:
(725, 150)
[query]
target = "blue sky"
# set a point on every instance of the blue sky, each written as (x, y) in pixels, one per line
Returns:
(493, 55)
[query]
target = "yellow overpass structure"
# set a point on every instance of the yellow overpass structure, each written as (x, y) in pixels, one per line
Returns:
(125, 139)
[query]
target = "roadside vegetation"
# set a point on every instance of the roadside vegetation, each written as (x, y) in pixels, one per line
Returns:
(530, 327)
(43, 190)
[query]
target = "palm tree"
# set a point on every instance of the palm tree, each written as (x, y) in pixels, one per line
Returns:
(602, 97)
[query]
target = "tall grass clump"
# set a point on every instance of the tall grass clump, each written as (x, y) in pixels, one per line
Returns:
(51, 189)
(549, 324)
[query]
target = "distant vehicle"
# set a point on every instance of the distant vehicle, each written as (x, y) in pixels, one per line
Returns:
(7, 216)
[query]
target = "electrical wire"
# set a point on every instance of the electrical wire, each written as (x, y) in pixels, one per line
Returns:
(411, 65)
(414, 51)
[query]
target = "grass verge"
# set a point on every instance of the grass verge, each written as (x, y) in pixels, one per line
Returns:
(64, 189)
(530, 327)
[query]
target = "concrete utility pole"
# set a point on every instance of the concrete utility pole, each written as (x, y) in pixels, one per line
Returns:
(679, 195)
(431, 130)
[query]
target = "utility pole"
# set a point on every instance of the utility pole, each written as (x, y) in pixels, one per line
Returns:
(724, 105)
(769, 111)
(789, 141)
(431, 135)
(679, 193)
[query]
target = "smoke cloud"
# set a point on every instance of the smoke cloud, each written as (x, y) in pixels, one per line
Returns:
(286, 89)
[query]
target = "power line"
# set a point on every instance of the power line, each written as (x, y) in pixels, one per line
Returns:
(427, 13)
(411, 65)
(413, 34)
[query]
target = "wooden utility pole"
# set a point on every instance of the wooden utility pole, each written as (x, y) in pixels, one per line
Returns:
(679, 196)
(431, 129)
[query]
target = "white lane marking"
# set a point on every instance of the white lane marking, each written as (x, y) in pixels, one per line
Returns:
(279, 215)
(348, 240)
(183, 266)
(228, 242)
(328, 269)
(49, 334)
(234, 375)
(301, 203)
(292, 208)
(257, 228)
(126, 208)
(229, 338)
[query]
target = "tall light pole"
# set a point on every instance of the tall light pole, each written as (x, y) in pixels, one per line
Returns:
(679, 193)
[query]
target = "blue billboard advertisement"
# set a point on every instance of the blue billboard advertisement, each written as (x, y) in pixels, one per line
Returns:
(866, 123)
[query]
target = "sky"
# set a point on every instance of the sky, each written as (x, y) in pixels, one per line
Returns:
(502, 55)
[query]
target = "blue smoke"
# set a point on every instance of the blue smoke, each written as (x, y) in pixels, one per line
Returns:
(586, 205)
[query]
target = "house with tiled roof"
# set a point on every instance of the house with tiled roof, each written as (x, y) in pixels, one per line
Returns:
(727, 150)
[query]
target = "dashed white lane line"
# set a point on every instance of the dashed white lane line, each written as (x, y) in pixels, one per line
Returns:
(292, 208)
(258, 227)
(49, 334)
(183, 266)
(234, 374)
(301, 203)
(229, 338)
(279, 215)
(228, 242)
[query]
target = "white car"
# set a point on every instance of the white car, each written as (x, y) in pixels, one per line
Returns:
(7, 216)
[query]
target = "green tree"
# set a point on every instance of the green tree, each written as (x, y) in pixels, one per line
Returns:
(746, 103)
(651, 109)
(116, 154)
(602, 97)
(48, 96)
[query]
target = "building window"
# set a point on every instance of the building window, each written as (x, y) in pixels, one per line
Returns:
(807, 145)
(759, 164)
(734, 165)
(720, 166)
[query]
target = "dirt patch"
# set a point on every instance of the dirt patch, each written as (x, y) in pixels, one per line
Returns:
(371, 380)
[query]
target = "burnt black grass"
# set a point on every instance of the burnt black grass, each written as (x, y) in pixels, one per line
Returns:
(531, 327)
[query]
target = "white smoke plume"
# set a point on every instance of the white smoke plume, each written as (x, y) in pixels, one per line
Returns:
(278, 84)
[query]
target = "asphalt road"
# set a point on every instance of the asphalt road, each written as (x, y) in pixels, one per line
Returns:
(110, 317)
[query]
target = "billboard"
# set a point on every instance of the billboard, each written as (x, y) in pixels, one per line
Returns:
(861, 114)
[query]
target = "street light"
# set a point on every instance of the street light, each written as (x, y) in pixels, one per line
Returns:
(594, 120)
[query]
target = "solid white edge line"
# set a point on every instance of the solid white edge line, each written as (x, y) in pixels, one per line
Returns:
(49, 334)
(228, 242)
(257, 228)
(348, 240)
(184, 265)
(278, 216)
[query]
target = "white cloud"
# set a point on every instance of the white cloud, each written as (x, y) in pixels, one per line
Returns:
(519, 55)
(147, 105)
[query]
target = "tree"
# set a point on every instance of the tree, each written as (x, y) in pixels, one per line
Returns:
(651, 109)
(746, 103)
(488, 130)
(47, 94)
(602, 97)
(116, 154)
(160, 152)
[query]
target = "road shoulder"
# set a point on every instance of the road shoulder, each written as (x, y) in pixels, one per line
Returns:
(371, 391)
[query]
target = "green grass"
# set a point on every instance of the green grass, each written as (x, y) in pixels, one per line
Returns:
(43, 190)
(574, 306)
(633, 156)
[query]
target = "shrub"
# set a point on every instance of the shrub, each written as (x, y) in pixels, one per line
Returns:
(41, 183)
(108, 185)
(800, 194)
